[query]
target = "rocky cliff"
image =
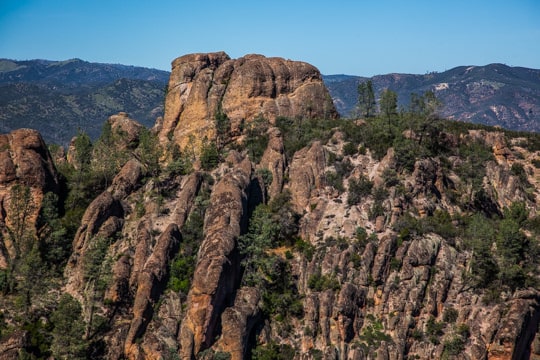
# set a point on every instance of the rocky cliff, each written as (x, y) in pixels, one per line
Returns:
(314, 238)
(202, 85)
(27, 172)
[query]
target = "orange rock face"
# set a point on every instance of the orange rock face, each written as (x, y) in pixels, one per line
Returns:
(253, 86)
(24, 161)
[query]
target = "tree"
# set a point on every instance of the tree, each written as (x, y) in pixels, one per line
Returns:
(21, 208)
(209, 155)
(108, 158)
(223, 128)
(366, 99)
(149, 151)
(83, 151)
(424, 112)
(388, 106)
(68, 331)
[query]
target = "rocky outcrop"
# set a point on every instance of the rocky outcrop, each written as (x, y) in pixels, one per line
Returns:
(24, 159)
(12, 346)
(238, 321)
(217, 272)
(151, 282)
(307, 175)
(274, 160)
(25, 163)
(253, 86)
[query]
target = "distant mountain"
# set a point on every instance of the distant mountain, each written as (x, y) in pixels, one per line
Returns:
(494, 94)
(58, 97)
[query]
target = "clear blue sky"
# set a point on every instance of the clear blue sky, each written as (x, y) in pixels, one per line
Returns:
(356, 37)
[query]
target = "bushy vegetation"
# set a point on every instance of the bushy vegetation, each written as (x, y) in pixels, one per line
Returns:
(183, 265)
(271, 225)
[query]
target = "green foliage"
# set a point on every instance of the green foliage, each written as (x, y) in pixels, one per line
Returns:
(318, 282)
(55, 244)
(439, 223)
(68, 330)
(96, 273)
(223, 128)
(107, 157)
(434, 330)
(209, 156)
(450, 315)
(273, 351)
(21, 208)
(180, 164)
(271, 225)
(376, 210)
(406, 152)
(519, 171)
(83, 151)
(388, 107)
(299, 133)
(453, 346)
(373, 334)
(475, 155)
(390, 177)
(149, 152)
(334, 180)
(39, 339)
(349, 149)
(358, 189)
(366, 99)
(256, 140)
(479, 234)
(182, 266)
(305, 248)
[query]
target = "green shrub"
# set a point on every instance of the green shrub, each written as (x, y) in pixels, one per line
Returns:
(305, 248)
(273, 351)
(450, 315)
(334, 180)
(318, 282)
(376, 210)
(349, 149)
(358, 189)
(209, 156)
(519, 171)
(453, 346)
(434, 330)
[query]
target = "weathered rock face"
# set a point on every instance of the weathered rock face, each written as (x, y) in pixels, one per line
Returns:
(217, 271)
(25, 163)
(244, 89)
(274, 160)
(307, 174)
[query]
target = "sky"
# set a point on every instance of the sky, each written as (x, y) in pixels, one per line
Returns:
(354, 37)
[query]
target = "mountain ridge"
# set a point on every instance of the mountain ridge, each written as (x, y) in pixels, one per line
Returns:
(493, 94)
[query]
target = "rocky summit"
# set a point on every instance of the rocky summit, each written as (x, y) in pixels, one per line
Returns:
(202, 85)
(252, 223)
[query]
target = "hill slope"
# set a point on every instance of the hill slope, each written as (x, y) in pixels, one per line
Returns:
(58, 97)
(494, 94)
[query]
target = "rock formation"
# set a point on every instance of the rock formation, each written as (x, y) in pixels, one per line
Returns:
(25, 163)
(202, 85)
(276, 256)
